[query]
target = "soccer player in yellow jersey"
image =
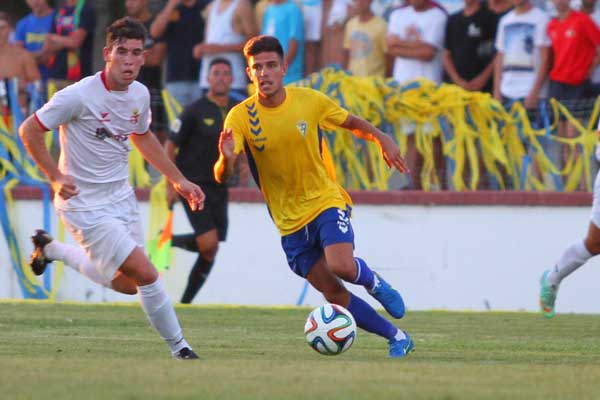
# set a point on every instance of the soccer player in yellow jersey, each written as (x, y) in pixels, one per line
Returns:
(279, 129)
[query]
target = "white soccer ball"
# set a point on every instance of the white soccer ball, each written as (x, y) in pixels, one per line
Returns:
(330, 329)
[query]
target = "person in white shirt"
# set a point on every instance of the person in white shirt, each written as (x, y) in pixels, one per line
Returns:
(522, 58)
(415, 39)
(97, 117)
(229, 24)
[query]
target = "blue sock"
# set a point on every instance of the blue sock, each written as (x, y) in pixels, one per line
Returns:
(364, 276)
(368, 319)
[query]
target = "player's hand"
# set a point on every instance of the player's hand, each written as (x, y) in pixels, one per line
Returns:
(531, 102)
(172, 195)
(197, 51)
(192, 193)
(226, 143)
(65, 187)
(391, 154)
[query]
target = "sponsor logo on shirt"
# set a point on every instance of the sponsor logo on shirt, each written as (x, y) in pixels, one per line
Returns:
(103, 117)
(473, 30)
(103, 133)
(208, 121)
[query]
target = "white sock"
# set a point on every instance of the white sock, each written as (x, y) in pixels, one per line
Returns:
(76, 258)
(574, 257)
(400, 335)
(161, 314)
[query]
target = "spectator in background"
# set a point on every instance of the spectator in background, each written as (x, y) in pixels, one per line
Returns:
(229, 24)
(335, 16)
(69, 44)
(593, 89)
(499, 7)
(522, 58)
(15, 62)
(364, 42)
(31, 33)
(182, 25)
(283, 19)
(259, 12)
(469, 47)
(415, 39)
(151, 72)
(575, 39)
(312, 11)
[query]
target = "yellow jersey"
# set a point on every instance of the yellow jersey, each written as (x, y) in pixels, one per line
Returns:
(285, 154)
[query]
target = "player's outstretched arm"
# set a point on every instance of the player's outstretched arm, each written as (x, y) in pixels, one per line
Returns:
(224, 166)
(32, 134)
(154, 153)
(365, 130)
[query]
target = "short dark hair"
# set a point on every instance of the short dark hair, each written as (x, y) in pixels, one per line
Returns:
(219, 60)
(262, 44)
(123, 29)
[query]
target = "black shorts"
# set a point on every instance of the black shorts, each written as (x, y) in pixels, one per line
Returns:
(570, 96)
(214, 213)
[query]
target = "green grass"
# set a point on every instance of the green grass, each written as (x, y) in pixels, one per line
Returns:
(72, 351)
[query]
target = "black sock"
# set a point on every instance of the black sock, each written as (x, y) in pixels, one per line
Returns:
(197, 277)
(185, 242)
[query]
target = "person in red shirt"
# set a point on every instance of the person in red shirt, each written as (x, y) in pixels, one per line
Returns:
(575, 39)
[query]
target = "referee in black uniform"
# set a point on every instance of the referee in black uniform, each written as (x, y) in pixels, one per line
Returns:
(196, 134)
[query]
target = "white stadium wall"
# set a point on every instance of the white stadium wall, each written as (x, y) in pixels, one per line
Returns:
(454, 257)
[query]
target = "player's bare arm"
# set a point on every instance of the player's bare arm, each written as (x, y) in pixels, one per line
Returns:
(32, 134)
(365, 130)
(153, 152)
(224, 166)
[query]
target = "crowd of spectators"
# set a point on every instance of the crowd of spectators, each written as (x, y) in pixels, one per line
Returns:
(513, 49)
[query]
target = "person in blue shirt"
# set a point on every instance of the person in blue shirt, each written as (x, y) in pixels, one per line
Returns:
(31, 32)
(283, 19)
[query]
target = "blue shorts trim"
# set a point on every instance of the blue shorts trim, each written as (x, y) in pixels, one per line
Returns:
(303, 248)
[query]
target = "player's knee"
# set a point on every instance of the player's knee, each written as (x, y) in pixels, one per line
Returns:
(123, 284)
(593, 245)
(209, 253)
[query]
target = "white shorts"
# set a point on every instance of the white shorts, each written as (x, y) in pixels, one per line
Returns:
(313, 14)
(596, 201)
(108, 235)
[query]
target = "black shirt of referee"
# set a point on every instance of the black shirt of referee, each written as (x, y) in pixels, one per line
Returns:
(196, 134)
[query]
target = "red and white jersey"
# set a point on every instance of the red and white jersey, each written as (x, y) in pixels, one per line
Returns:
(95, 124)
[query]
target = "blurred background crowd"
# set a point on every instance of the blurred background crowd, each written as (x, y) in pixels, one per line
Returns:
(517, 51)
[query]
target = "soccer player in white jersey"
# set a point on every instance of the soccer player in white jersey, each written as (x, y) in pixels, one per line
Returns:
(574, 256)
(97, 117)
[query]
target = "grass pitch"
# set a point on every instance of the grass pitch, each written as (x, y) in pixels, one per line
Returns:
(71, 351)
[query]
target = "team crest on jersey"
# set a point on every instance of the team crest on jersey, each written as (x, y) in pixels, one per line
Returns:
(135, 117)
(175, 125)
(301, 126)
(208, 121)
